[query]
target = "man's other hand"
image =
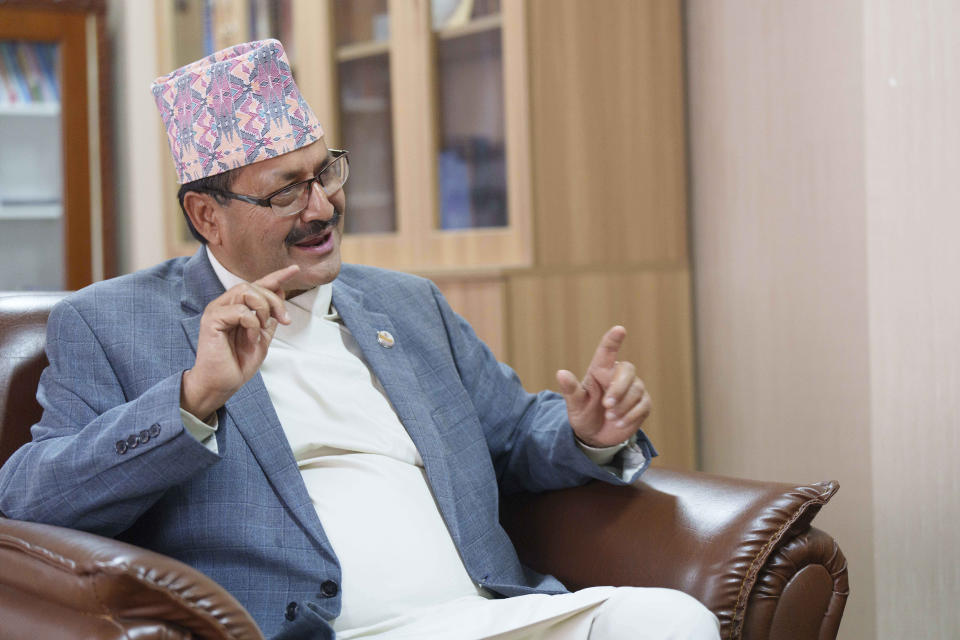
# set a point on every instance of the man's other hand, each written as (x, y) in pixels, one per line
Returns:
(610, 403)
(235, 332)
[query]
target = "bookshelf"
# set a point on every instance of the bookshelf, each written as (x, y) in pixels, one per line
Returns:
(56, 227)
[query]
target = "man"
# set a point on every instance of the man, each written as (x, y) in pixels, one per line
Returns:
(326, 441)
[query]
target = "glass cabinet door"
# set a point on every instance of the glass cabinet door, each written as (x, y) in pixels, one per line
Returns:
(31, 158)
(471, 160)
(362, 29)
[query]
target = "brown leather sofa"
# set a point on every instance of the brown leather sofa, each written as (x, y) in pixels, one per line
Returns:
(745, 549)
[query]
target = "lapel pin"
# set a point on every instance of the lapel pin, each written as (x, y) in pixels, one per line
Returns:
(385, 339)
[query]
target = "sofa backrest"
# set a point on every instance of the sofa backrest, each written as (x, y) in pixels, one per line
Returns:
(23, 337)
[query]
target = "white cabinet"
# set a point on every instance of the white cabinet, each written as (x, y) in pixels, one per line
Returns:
(31, 175)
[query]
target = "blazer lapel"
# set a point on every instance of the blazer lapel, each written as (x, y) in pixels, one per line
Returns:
(393, 367)
(250, 408)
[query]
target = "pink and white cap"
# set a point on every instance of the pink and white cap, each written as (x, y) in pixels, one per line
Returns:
(233, 108)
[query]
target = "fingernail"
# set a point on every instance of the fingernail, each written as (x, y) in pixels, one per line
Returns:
(610, 415)
(609, 401)
(286, 317)
(621, 424)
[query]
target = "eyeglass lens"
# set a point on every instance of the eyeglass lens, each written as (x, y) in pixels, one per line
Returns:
(295, 198)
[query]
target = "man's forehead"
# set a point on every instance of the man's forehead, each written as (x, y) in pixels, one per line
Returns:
(286, 167)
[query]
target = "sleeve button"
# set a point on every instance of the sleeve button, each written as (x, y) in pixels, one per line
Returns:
(154, 430)
(143, 437)
(121, 447)
(132, 441)
(329, 589)
(291, 613)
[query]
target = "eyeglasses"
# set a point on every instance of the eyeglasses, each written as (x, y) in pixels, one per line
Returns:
(293, 199)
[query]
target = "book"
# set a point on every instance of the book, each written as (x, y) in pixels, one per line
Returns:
(30, 74)
(47, 56)
(14, 72)
(7, 93)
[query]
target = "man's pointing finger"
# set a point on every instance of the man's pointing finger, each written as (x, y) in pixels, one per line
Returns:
(273, 281)
(272, 285)
(605, 357)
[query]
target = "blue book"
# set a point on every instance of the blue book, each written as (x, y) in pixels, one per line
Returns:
(46, 56)
(454, 177)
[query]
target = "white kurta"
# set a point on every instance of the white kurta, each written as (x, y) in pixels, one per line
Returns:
(401, 572)
(361, 468)
(402, 576)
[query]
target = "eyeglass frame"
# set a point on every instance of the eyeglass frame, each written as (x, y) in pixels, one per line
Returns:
(265, 201)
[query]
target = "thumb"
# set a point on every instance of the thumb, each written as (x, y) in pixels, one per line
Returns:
(573, 392)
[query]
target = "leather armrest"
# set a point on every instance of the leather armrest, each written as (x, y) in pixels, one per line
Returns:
(62, 583)
(807, 573)
(709, 536)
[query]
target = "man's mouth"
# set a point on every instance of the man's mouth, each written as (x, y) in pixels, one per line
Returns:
(314, 240)
(316, 234)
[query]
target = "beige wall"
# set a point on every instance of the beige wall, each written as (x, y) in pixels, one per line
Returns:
(826, 303)
(912, 90)
(137, 153)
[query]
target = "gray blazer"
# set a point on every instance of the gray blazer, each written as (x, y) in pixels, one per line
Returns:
(111, 455)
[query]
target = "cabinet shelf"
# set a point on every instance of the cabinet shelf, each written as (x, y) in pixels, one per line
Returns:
(31, 209)
(31, 109)
(367, 104)
(359, 50)
(477, 25)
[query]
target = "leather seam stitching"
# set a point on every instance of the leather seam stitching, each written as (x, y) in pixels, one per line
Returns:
(754, 570)
(59, 561)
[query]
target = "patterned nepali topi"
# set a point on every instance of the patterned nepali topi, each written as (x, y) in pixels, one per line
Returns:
(233, 108)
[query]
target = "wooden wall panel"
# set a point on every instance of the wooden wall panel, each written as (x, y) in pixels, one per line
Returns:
(608, 134)
(556, 321)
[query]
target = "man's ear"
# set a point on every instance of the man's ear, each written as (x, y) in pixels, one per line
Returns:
(204, 213)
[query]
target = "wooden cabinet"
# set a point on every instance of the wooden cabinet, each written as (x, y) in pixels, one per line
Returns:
(529, 157)
(56, 228)
(434, 104)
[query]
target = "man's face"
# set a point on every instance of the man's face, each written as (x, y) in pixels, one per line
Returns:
(253, 241)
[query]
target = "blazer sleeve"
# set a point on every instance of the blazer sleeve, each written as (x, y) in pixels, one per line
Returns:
(530, 439)
(97, 459)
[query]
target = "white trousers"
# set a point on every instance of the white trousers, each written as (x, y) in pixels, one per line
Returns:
(598, 613)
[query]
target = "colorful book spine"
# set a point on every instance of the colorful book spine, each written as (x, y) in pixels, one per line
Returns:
(34, 84)
(6, 97)
(36, 66)
(14, 71)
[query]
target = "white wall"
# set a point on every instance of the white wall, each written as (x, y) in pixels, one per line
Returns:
(827, 312)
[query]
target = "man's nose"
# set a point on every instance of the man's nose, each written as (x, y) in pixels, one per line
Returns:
(319, 206)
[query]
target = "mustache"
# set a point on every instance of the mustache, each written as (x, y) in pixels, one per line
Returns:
(313, 228)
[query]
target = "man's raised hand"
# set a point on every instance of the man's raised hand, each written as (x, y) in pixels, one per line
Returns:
(235, 332)
(610, 403)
